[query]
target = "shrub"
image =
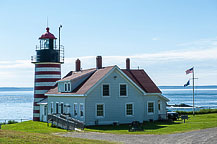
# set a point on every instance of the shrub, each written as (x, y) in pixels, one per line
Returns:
(202, 111)
(12, 122)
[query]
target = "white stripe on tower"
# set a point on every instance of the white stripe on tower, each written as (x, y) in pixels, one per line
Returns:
(45, 83)
(46, 76)
(47, 69)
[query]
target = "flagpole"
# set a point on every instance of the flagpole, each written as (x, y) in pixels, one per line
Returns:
(193, 91)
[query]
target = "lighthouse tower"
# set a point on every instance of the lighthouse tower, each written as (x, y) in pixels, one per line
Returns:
(48, 60)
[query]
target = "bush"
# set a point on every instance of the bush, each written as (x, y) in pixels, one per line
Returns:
(202, 111)
(12, 122)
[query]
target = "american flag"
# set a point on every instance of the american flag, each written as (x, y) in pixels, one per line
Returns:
(189, 70)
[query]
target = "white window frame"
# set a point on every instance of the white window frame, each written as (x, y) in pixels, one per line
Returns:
(51, 108)
(67, 86)
(67, 108)
(57, 103)
(61, 107)
(120, 89)
(81, 104)
(132, 109)
(103, 110)
(45, 109)
(109, 90)
(75, 105)
(151, 113)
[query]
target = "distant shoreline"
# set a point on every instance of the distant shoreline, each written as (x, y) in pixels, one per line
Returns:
(161, 87)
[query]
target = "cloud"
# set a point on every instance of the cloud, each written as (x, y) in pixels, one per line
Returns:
(16, 64)
(155, 38)
(21, 72)
(87, 61)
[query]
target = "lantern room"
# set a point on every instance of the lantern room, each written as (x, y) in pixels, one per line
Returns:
(47, 40)
(48, 51)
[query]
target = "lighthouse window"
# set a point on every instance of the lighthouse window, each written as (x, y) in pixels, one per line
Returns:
(46, 43)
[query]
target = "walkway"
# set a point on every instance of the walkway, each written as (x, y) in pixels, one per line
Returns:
(208, 136)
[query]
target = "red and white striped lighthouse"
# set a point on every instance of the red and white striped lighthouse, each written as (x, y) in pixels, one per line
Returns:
(48, 60)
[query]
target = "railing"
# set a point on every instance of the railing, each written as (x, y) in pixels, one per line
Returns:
(65, 122)
(60, 49)
(55, 47)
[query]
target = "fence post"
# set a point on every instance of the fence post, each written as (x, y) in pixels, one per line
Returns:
(67, 123)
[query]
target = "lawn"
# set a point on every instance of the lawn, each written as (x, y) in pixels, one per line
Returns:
(38, 132)
(196, 122)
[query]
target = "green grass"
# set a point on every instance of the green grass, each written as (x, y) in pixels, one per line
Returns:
(38, 132)
(32, 126)
(195, 123)
(16, 137)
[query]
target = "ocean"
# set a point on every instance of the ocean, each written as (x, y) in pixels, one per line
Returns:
(17, 103)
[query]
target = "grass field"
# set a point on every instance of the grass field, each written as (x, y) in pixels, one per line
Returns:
(194, 123)
(38, 132)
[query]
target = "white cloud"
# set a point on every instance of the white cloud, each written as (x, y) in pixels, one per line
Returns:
(155, 38)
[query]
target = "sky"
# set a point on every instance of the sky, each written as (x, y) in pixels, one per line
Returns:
(165, 38)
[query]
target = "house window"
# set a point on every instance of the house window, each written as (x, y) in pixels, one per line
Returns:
(51, 107)
(75, 109)
(105, 90)
(69, 87)
(100, 110)
(159, 106)
(65, 87)
(129, 109)
(81, 110)
(45, 110)
(57, 108)
(123, 89)
(67, 108)
(61, 108)
(150, 107)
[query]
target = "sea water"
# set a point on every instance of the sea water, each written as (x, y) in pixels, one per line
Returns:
(205, 97)
(17, 103)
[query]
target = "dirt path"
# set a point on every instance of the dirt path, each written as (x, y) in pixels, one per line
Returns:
(208, 136)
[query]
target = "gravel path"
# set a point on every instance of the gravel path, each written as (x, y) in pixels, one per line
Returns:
(205, 136)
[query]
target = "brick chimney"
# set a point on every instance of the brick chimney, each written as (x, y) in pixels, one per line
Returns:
(77, 65)
(128, 64)
(99, 62)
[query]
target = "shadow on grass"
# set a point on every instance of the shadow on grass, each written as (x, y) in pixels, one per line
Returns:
(147, 126)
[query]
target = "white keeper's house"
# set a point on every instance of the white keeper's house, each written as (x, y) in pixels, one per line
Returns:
(100, 95)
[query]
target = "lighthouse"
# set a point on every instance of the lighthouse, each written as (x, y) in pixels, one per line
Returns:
(48, 60)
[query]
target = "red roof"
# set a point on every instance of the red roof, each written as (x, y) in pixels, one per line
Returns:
(139, 77)
(47, 35)
(142, 80)
(89, 83)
